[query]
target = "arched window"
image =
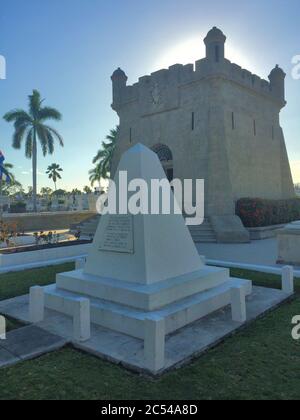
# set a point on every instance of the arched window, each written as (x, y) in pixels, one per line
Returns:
(163, 152)
(165, 156)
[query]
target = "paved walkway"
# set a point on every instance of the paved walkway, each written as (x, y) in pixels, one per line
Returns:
(27, 343)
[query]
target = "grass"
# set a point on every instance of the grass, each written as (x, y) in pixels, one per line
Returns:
(12, 324)
(260, 362)
(19, 283)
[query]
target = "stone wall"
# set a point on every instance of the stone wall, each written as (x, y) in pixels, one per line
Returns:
(47, 221)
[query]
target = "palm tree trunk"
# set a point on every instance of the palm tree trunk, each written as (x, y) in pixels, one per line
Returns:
(34, 171)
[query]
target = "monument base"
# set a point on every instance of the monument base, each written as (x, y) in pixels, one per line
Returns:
(145, 312)
(131, 321)
(229, 229)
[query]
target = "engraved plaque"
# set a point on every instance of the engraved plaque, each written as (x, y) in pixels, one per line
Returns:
(118, 234)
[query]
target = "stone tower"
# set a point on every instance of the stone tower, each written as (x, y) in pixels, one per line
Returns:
(215, 121)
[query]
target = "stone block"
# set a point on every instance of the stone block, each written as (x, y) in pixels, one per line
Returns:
(2, 328)
(288, 280)
(289, 244)
(36, 304)
(80, 263)
(154, 344)
(82, 320)
(238, 304)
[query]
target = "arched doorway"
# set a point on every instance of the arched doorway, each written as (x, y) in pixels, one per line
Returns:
(166, 158)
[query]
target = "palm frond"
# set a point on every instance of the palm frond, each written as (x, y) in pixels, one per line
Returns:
(17, 114)
(100, 155)
(18, 136)
(56, 134)
(28, 144)
(50, 142)
(48, 113)
(8, 166)
(43, 138)
(35, 102)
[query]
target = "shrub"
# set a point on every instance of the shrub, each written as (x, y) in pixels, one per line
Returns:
(257, 212)
(18, 207)
(8, 231)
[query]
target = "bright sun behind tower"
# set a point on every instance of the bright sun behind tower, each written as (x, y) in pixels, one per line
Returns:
(193, 49)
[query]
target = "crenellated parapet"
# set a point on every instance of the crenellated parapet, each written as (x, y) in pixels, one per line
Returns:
(163, 85)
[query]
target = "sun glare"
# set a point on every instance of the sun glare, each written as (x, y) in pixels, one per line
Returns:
(193, 49)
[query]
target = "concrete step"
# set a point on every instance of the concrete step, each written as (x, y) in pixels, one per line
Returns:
(203, 233)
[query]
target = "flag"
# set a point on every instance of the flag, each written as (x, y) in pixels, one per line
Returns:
(4, 175)
(2, 158)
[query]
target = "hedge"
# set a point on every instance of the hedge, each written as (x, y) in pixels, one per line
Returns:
(18, 207)
(256, 212)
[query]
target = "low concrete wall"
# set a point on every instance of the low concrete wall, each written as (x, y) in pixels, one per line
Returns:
(47, 221)
(8, 260)
(264, 232)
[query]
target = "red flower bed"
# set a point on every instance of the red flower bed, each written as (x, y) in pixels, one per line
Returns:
(256, 212)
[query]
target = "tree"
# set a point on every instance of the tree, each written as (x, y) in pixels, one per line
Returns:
(46, 191)
(13, 189)
(32, 127)
(76, 192)
(13, 186)
(53, 172)
(103, 158)
(8, 167)
(87, 190)
(59, 193)
(95, 175)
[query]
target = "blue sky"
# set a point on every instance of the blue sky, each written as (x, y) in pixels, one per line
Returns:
(68, 50)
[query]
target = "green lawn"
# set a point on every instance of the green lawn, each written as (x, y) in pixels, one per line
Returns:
(260, 362)
(19, 283)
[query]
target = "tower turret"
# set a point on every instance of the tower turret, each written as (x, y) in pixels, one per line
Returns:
(215, 45)
(119, 81)
(277, 78)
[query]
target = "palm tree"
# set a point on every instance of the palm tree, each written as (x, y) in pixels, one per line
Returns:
(32, 127)
(9, 167)
(87, 190)
(104, 156)
(4, 187)
(46, 191)
(95, 175)
(53, 173)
